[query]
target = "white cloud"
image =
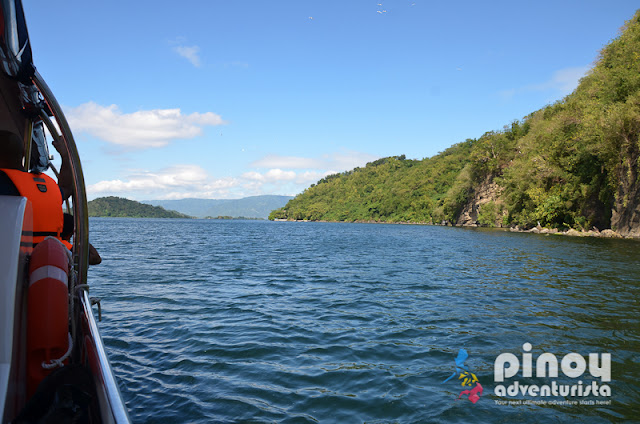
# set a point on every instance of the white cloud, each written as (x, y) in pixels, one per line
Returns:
(290, 162)
(141, 129)
(278, 181)
(562, 82)
(342, 161)
(280, 175)
(345, 161)
(253, 176)
(183, 181)
(310, 177)
(175, 182)
(292, 174)
(271, 176)
(191, 53)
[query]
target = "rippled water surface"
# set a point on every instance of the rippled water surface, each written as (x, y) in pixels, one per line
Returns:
(210, 321)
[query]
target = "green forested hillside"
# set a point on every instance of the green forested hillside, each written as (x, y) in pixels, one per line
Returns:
(119, 207)
(571, 164)
(389, 189)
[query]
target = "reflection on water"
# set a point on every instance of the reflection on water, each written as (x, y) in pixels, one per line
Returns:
(227, 321)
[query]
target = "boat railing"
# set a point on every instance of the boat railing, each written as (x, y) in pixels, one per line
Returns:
(112, 408)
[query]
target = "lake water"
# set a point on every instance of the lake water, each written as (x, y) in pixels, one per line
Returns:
(212, 321)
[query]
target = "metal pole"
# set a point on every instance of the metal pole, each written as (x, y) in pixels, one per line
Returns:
(27, 144)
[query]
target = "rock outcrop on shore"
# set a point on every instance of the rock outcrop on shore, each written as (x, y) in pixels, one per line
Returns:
(574, 233)
(487, 193)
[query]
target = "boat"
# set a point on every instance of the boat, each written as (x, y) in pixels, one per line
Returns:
(78, 386)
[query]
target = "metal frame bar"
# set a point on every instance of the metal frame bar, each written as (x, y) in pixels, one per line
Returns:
(112, 407)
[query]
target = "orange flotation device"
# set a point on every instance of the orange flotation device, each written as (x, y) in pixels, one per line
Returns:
(48, 341)
(44, 194)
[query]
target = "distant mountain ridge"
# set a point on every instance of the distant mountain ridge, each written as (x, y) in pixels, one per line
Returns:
(248, 207)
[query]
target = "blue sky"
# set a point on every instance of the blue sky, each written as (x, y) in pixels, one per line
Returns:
(227, 99)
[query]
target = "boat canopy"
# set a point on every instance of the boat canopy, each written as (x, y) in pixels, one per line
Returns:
(17, 61)
(21, 104)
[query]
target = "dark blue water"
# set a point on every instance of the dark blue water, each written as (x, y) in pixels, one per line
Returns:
(251, 321)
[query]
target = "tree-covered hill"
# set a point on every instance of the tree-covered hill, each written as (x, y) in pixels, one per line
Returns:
(118, 207)
(389, 190)
(571, 164)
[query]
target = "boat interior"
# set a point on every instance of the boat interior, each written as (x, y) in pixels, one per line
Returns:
(41, 380)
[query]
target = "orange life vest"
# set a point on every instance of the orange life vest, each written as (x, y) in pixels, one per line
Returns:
(46, 199)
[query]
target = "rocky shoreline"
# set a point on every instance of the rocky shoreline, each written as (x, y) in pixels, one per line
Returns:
(574, 233)
(594, 232)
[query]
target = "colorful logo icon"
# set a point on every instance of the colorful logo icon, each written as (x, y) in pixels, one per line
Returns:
(468, 378)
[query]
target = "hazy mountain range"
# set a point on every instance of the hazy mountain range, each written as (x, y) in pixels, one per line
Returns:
(248, 207)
